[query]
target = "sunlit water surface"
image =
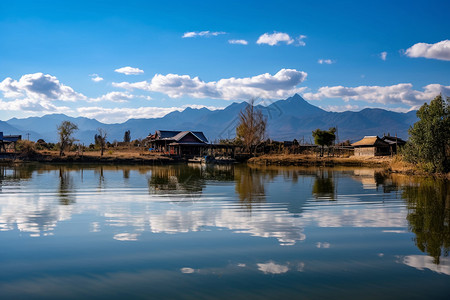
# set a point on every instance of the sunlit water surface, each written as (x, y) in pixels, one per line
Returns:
(191, 231)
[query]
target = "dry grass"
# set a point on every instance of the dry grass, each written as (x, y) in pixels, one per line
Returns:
(308, 159)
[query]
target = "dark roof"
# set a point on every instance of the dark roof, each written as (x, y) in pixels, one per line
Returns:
(370, 141)
(178, 135)
(393, 140)
(9, 138)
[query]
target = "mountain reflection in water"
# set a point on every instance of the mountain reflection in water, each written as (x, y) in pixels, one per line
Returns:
(269, 202)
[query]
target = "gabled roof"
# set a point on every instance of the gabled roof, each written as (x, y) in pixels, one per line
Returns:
(370, 141)
(393, 140)
(178, 135)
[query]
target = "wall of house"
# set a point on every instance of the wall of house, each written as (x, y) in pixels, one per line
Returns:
(365, 151)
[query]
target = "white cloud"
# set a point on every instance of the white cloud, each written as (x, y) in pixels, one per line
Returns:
(440, 50)
(325, 61)
(187, 270)
(273, 39)
(38, 87)
(272, 268)
(394, 94)
(119, 97)
(119, 115)
(33, 106)
(300, 40)
(421, 262)
(95, 77)
(283, 83)
(129, 71)
(205, 33)
(126, 237)
(199, 106)
(383, 55)
(238, 42)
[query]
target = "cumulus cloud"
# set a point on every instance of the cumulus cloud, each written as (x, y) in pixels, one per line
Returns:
(440, 50)
(205, 33)
(273, 39)
(402, 93)
(325, 61)
(38, 86)
(300, 40)
(95, 77)
(119, 115)
(283, 83)
(238, 42)
(33, 106)
(383, 55)
(272, 268)
(119, 97)
(129, 71)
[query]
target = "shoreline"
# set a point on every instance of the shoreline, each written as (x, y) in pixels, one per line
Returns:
(389, 164)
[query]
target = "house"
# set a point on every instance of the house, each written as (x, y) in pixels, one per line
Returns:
(371, 146)
(8, 142)
(178, 143)
(394, 142)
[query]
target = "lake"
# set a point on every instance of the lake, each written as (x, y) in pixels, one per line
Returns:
(221, 232)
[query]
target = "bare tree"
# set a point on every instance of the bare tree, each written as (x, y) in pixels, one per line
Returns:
(100, 139)
(65, 131)
(252, 126)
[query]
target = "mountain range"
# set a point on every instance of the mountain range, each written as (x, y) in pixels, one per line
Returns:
(292, 118)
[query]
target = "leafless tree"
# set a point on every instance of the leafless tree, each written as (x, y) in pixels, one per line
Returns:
(65, 131)
(252, 126)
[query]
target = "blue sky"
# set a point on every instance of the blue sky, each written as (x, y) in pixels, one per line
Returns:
(158, 56)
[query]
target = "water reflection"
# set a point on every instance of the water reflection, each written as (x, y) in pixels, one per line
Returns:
(270, 202)
(66, 187)
(428, 202)
(323, 188)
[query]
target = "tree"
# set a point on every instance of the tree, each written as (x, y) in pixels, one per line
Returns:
(324, 138)
(65, 131)
(252, 126)
(127, 136)
(429, 138)
(100, 140)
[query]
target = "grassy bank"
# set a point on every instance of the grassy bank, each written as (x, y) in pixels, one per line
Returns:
(313, 160)
(92, 157)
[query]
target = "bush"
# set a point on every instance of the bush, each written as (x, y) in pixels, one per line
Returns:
(26, 148)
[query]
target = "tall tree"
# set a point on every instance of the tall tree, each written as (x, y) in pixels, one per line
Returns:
(65, 131)
(127, 136)
(324, 138)
(252, 126)
(429, 138)
(100, 140)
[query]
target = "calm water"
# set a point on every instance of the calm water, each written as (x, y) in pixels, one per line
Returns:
(202, 232)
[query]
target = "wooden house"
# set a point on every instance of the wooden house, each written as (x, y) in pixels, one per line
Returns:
(178, 143)
(371, 146)
(8, 142)
(394, 143)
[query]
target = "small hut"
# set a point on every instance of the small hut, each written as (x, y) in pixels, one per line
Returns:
(178, 143)
(394, 142)
(8, 142)
(371, 146)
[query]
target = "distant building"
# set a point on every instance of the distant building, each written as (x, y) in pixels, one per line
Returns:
(394, 142)
(371, 146)
(8, 142)
(179, 143)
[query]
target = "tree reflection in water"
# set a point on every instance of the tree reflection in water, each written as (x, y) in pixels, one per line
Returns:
(250, 185)
(66, 187)
(428, 205)
(323, 188)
